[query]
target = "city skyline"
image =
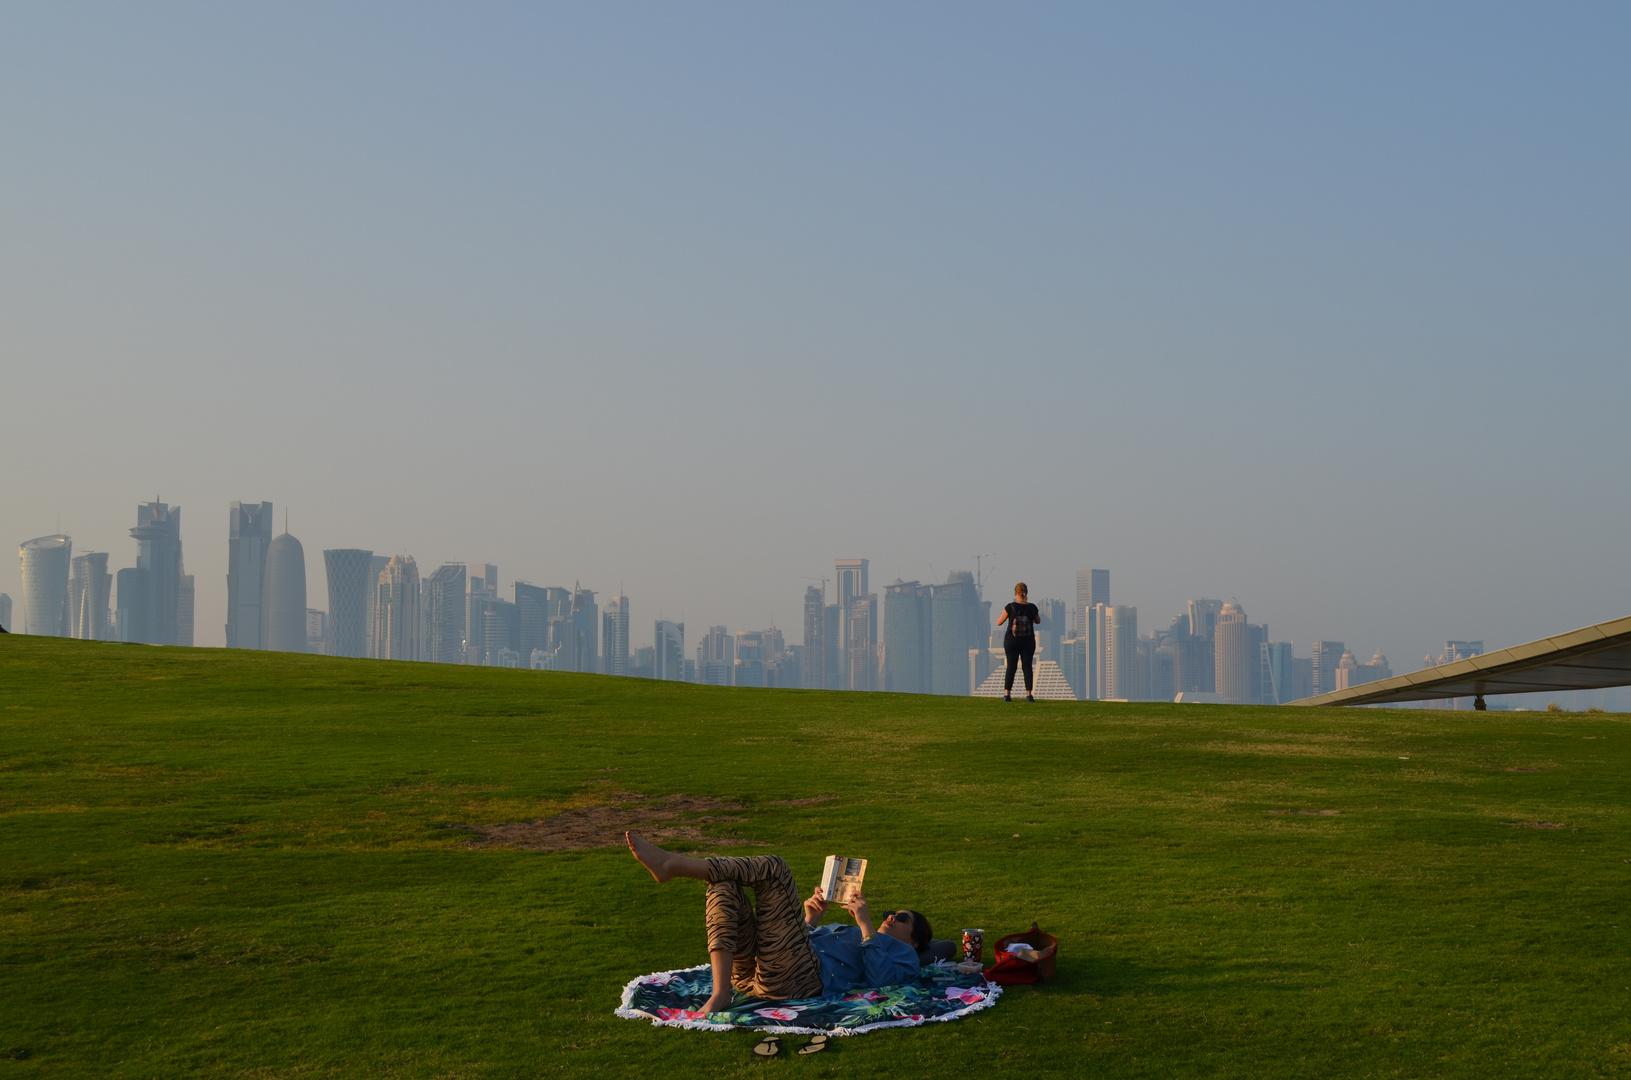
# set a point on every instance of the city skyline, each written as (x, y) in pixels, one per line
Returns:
(936, 637)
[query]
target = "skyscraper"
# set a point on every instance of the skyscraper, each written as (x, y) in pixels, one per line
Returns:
(1233, 655)
(851, 582)
(186, 596)
(908, 620)
(1092, 589)
(668, 656)
(445, 611)
(5, 612)
(1119, 665)
(955, 620)
(1277, 656)
(815, 638)
(347, 570)
(249, 535)
(1327, 655)
(46, 561)
(534, 606)
(716, 657)
(151, 612)
(501, 631)
(862, 632)
(483, 585)
(376, 567)
(586, 621)
(396, 610)
(90, 591)
(835, 635)
(615, 636)
(1262, 686)
(1051, 632)
(283, 607)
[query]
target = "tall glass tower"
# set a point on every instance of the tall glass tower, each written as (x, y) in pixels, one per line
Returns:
(46, 561)
(347, 570)
(249, 534)
(90, 587)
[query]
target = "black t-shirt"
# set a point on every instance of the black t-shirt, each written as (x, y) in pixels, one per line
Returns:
(1022, 621)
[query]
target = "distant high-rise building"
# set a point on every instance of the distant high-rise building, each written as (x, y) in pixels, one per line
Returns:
(851, 582)
(501, 630)
(586, 620)
(90, 594)
(376, 567)
(283, 609)
(317, 631)
(956, 627)
(46, 561)
(1233, 655)
(186, 599)
(1460, 650)
(1302, 677)
(347, 570)
(716, 657)
(1119, 664)
(1280, 687)
(150, 613)
(1327, 655)
(1052, 629)
(1203, 617)
(1262, 690)
(615, 636)
(907, 626)
(1092, 589)
(668, 655)
(445, 610)
(535, 605)
(249, 535)
(758, 652)
(815, 638)
(835, 636)
(862, 633)
(396, 610)
(483, 587)
(5, 612)
(1350, 672)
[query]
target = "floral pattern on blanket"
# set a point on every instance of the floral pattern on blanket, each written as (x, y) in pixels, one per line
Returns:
(671, 998)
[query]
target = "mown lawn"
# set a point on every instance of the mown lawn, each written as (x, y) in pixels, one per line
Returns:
(220, 863)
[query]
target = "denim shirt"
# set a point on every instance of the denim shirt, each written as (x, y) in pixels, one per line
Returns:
(848, 962)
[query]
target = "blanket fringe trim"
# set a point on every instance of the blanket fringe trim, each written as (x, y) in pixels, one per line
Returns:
(628, 1012)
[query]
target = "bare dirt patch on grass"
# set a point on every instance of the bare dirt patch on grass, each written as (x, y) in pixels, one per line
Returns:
(585, 828)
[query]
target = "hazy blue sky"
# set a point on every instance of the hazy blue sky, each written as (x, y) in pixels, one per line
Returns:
(1328, 311)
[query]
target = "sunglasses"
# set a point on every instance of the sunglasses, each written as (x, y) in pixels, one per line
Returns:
(898, 916)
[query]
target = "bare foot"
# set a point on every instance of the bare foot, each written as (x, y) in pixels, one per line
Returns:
(651, 856)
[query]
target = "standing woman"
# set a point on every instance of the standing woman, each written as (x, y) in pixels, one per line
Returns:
(1020, 640)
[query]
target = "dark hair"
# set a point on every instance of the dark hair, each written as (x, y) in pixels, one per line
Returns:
(922, 932)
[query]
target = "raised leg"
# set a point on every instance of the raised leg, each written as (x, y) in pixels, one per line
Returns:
(665, 864)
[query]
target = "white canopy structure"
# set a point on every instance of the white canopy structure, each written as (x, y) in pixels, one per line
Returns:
(1586, 659)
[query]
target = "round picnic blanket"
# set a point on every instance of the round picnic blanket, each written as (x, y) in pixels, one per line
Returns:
(670, 998)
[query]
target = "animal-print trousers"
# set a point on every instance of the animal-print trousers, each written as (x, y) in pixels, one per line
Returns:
(770, 940)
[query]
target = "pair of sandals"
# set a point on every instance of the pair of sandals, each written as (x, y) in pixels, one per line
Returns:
(771, 1045)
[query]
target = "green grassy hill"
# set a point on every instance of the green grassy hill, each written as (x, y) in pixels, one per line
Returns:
(219, 863)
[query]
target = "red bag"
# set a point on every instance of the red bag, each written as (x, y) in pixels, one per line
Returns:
(1010, 970)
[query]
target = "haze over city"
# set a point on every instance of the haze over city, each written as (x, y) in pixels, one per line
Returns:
(1320, 312)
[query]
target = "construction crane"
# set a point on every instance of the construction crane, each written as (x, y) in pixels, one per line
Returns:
(979, 579)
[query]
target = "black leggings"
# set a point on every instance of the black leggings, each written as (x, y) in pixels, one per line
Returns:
(1020, 651)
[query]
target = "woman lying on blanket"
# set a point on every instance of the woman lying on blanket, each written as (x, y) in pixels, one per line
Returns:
(778, 951)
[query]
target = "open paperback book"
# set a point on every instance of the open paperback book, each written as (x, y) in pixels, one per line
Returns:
(841, 878)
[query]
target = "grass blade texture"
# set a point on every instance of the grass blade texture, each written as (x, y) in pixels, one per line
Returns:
(224, 863)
